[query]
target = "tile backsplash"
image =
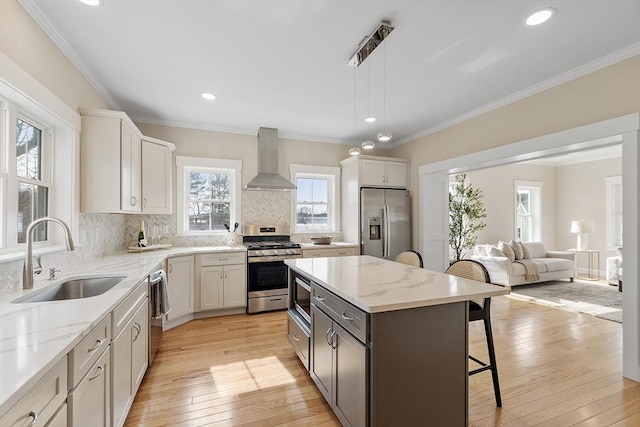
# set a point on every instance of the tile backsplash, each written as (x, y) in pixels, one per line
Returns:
(108, 234)
(100, 235)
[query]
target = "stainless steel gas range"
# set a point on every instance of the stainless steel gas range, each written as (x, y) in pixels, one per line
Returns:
(267, 274)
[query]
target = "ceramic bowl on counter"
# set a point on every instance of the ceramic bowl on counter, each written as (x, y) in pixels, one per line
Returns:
(321, 240)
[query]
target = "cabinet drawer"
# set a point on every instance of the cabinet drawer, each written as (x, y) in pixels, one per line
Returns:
(223, 258)
(299, 339)
(123, 312)
(42, 400)
(347, 315)
(87, 351)
(329, 252)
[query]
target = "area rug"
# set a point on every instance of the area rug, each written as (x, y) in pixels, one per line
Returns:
(597, 299)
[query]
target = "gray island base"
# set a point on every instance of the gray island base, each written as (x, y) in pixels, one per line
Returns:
(386, 343)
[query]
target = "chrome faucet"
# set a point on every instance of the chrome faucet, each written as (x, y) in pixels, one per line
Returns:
(27, 271)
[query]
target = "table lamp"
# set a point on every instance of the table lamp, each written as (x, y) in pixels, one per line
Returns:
(582, 228)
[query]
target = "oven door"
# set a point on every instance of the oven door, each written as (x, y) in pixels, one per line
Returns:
(265, 277)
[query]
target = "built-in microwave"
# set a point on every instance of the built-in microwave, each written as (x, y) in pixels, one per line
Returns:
(301, 297)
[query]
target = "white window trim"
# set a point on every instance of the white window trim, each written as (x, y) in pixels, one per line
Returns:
(34, 101)
(536, 207)
(610, 181)
(310, 171)
(188, 164)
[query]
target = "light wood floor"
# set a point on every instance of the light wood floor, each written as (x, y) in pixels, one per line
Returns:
(556, 368)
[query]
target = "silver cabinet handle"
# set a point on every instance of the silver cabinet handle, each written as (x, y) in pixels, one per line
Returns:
(170, 268)
(33, 421)
(134, 200)
(225, 274)
(345, 317)
(100, 371)
(326, 337)
(221, 275)
(144, 202)
(223, 259)
(138, 329)
(96, 346)
(296, 337)
(319, 298)
(332, 344)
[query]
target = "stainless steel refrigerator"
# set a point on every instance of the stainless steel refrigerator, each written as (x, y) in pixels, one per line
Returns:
(385, 221)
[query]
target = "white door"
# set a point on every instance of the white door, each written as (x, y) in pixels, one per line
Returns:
(180, 281)
(372, 172)
(130, 152)
(235, 285)
(156, 178)
(211, 287)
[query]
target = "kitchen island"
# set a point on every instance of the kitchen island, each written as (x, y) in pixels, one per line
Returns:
(386, 343)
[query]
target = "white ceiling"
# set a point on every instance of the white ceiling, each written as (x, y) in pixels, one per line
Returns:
(282, 64)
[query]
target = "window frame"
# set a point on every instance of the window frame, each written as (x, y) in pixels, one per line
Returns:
(332, 175)
(185, 166)
(34, 102)
(611, 182)
(535, 217)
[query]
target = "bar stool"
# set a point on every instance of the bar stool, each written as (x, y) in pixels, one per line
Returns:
(481, 310)
(410, 258)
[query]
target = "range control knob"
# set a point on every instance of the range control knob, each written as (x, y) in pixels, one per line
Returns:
(257, 253)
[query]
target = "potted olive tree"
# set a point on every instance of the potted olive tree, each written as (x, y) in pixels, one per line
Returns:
(466, 211)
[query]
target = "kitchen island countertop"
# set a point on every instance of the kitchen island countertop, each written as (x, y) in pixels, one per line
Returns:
(377, 285)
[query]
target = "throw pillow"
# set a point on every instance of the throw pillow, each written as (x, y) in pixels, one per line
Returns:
(517, 248)
(526, 254)
(480, 250)
(507, 250)
(494, 251)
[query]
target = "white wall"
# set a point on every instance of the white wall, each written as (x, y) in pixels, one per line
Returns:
(497, 185)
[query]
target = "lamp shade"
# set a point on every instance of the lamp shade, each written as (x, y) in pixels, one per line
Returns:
(582, 226)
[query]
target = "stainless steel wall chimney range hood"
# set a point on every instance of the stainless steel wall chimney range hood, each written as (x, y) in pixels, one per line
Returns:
(268, 177)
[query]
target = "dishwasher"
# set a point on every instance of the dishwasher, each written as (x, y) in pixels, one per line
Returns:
(156, 286)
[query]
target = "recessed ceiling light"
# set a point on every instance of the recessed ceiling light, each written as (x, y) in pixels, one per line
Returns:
(208, 96)
(540, 16)
(91, 2)
(370, 119)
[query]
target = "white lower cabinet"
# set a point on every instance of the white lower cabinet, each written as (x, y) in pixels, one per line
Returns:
(129, 356)
(60, 418)
(222, 281)
(42, 403)
(180, 274)
(89, 403)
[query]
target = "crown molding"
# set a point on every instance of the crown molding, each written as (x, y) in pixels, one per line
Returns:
(589, 67)
(240, 131)
(36, 13)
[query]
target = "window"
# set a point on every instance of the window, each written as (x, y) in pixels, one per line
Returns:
(528, 201)
(614, 211)
(39, 168)
(31, 174)
(208, 194)
(315, 204)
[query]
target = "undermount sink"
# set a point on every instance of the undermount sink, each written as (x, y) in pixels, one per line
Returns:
(72, 289)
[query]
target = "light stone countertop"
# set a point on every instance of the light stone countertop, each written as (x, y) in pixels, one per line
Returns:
(36, 336)
(376, 285)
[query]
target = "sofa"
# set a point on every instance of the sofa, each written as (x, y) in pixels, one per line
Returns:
(514, 263)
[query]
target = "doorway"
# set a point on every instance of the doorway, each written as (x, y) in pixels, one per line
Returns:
(434, 186)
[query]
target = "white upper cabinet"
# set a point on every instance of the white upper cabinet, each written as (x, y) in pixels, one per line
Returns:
(156, 177)
(121, 170)
(374, 171)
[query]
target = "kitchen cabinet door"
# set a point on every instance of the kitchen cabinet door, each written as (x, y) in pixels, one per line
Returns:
(350, 378)
(372, 172)
(89, 403)
(211, 287)
(130, 168)
(181, 286)
(235, 285)
(156, 178)
(321, 352)
(396, 174)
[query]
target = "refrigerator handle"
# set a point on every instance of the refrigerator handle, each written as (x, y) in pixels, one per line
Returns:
(384, 231)
(387, 229)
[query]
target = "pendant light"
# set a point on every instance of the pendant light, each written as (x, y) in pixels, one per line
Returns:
(369, 118)
(354, 151)
(384, 136)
